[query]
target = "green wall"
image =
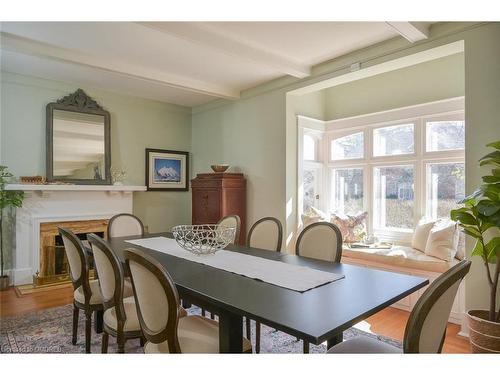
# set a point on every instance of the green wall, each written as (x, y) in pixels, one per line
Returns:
(431, 81)
(135, 124)
(247, 135)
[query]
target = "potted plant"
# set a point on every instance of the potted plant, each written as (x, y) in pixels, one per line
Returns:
(8, 198)
(480, 219)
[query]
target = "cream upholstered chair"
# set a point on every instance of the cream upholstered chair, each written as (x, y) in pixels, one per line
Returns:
(122, 225)
(265, 233)
(232, 221)
(323, 241)
(120, 314)
(157, 304)
(87, 294)
(426, 327)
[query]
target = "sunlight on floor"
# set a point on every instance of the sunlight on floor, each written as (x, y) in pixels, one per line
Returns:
(364, 326)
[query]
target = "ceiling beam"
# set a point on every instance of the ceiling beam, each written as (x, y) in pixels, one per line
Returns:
(27, 46)
(411, 31)
(210, 36)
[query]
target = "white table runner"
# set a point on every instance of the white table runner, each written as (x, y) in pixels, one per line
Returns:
(278, 273)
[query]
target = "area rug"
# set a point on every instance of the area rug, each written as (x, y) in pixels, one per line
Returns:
(49, 331)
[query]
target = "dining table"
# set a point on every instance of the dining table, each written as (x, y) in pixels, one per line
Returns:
(318, 315)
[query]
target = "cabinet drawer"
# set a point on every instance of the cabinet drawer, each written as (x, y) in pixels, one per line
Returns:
(206, 206)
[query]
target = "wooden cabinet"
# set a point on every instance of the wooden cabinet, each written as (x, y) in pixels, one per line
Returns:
(216, 195)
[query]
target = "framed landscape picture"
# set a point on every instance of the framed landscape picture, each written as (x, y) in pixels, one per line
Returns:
(167, 170)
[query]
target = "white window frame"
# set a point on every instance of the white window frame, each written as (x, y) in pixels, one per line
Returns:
(449, 109)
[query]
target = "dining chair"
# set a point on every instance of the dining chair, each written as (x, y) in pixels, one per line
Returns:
(157, 302)
(86, 293)
(122, 225)
(120, 314)
(232, 221)
(426, 327)
(267, 234)
(323, 241)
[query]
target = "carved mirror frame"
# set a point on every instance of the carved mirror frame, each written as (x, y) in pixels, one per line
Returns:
(80, 102)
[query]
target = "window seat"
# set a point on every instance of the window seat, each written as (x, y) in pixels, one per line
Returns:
(409, 261)
(400, 256)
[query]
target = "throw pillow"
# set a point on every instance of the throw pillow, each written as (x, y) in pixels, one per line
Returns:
(421, 234)
(313, 215)
(352, 227)
(443, 240)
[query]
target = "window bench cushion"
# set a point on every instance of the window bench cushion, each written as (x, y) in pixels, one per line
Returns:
(402, 256)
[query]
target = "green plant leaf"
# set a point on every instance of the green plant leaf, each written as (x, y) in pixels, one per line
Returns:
(486, 224)
(495, 172)
(493, 162)
(463, 217)
(478, 250)
(471, 232)
(495, 144)
(487, 207)
(491, 249)
(495, 155)
(491, 179)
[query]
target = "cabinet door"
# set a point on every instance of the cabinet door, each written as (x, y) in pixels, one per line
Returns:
(206, 206)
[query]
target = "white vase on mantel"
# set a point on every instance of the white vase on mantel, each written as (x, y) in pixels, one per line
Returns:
(118, 183)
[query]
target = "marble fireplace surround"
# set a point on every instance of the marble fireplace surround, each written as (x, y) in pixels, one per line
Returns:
(58, 203)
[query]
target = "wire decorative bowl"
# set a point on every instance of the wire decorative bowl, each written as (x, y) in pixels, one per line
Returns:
(203, 239)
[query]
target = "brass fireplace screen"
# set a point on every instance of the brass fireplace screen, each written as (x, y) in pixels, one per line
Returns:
(54, 267)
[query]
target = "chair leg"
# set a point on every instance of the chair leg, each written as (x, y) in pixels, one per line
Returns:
(105, 340)
(248, 329)
(306, 347)
(257, 337)
(88, 330)
(212, 316)
(142, 340)
(76, 312)
(99, 319)
(120, 340)
(203, 312)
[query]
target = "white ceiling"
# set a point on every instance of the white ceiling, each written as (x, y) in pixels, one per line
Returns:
(186, 63)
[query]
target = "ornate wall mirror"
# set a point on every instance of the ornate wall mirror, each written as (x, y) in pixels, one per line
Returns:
(78, 141)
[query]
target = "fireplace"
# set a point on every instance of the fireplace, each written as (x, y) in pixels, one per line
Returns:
(53, 264)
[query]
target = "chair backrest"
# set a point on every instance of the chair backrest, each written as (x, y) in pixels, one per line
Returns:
(156, 299)
(122, 225)
(232, 221)
(320, 240)
(426, 327)
(111, 278)
(266, 233)
(77, 260)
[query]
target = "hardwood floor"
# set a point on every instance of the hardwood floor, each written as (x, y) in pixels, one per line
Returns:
(389, 322)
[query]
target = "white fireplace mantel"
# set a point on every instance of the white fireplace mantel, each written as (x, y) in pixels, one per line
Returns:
(60, 203)
(55, 187)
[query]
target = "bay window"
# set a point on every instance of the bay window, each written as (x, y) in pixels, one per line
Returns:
(348, 191)
(397, 165)
(393, 140)
(393, 197)
(348, 147)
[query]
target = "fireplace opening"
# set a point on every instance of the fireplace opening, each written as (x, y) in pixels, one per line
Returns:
(54, 267)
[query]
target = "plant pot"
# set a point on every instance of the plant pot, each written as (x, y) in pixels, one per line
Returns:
(4, 282)
(484, 334)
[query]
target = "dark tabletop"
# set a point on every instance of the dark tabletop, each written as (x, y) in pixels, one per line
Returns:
(314, 315)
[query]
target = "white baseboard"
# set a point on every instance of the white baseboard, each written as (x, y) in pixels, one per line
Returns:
(22, 276)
